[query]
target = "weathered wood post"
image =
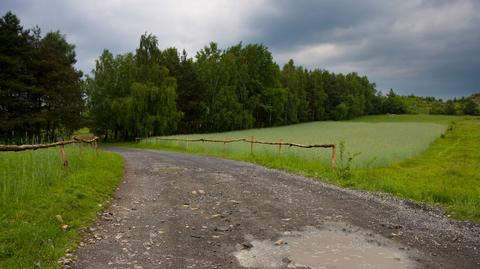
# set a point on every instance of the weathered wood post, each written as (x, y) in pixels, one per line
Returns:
(280, 147)
(334, 156)
(251, 145)
(63, 155)
(95, 145)
(224, 144)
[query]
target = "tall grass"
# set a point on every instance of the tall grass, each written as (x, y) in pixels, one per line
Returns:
(35, 188)
(26, 172)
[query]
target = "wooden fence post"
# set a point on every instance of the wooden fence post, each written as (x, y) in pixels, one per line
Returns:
(63, 154)
(95, 145)
(224, 144)
(334, 157)
(251, 145)
(280, 147)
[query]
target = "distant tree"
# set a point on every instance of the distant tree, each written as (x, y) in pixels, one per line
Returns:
(393, 104)
(133, 95)
(470, 107)
(450, 108)
(295, 80)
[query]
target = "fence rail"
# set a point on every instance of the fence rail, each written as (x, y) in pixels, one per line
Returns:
(252, 141)
(62, 143)
(50, 145)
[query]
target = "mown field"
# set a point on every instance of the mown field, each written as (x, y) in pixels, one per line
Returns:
(432, 159)
(43, 206)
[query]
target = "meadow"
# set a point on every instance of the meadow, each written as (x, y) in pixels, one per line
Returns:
(374, 141)
(430, 159)
(44, 206)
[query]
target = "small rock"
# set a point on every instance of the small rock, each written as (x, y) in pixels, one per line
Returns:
(136, 266)
(65, 227)
(107, 218)
(286, 260)
(247, 245)
(280, 242)
(201, 191)
(222, 229)
(194, 192)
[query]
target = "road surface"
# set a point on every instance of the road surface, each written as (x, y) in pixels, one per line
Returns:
(177, 210)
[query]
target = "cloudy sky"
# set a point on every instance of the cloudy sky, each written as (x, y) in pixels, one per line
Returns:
(425, 47)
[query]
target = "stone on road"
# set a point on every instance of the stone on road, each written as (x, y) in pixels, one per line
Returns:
(188, 211)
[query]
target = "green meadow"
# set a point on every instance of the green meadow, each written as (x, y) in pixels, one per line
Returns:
(44, 206)
(375, 143)
(431, 159)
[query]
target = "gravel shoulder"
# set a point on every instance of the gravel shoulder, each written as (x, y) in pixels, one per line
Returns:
(177, 210)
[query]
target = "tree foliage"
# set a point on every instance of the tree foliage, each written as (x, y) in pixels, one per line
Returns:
(133, 95)
(41, 94)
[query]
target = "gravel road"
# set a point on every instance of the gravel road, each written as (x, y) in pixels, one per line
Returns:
(177, 210)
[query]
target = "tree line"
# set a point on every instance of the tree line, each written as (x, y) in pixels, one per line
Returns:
(40, 90)
(159, 92)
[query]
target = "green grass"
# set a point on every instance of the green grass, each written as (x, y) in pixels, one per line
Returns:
(378, 143)
(448, 173)
(442, 169)
(35, 188)
(440, 119)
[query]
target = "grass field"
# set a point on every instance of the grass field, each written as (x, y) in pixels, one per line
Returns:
(35, 188)
(377, 143)
(432, 159)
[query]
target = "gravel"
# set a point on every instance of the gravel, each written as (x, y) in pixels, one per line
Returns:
(187, 211)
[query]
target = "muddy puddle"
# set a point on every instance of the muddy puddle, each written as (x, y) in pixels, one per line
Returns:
(330, 246)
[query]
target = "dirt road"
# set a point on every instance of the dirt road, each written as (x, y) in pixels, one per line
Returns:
(186, 211)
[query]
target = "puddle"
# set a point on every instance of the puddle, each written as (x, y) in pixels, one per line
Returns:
(331, 246)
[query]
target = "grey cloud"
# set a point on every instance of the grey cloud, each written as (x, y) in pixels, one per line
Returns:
(426, 47)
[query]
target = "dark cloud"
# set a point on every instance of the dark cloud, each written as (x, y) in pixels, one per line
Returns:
(426, 47)
(421, 47)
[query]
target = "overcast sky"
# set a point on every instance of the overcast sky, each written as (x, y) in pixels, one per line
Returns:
(425, 47)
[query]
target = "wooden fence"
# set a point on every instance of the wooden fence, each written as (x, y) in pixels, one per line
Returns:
(75, 140)
(252, 141)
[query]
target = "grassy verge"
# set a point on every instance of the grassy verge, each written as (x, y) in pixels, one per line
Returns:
(447, 174)
(38, 196)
